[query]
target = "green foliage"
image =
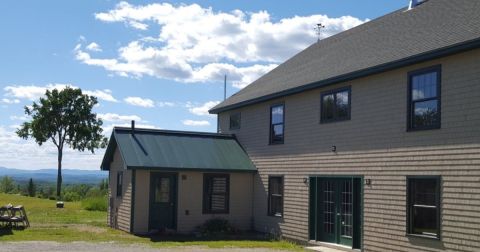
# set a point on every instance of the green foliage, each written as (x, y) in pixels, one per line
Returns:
(95, 203)
(7, 185)
(64, 117)
(216, 226)
(31, 188)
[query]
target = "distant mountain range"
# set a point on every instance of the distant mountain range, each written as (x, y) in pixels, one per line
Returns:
(50, 175)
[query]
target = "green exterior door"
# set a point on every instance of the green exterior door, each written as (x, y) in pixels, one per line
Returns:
(337, 212)
(162, 201)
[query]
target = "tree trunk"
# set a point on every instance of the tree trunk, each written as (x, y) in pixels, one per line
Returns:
(59, 176)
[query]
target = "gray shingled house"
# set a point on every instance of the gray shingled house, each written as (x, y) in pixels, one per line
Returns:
(369, 139)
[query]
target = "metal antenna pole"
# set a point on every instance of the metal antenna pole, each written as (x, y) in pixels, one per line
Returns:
(318, 30)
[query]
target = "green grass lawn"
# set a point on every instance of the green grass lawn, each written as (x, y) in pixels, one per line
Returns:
(72, 223)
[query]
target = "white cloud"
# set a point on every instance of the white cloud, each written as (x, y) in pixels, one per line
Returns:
(165, 104)
(203, 109)
(33, 92)
(195, 123)
(19, 118)
(10, 101)
(94, 47)
(112, 117)
(197, 44)
(139, 101)
(105, 94)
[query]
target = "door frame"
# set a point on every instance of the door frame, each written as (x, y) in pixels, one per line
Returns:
(312, 210)
(175, 197)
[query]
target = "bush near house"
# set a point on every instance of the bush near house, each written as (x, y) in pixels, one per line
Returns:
(216, 226)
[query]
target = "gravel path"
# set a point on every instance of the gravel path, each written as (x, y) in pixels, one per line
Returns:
(44, 246)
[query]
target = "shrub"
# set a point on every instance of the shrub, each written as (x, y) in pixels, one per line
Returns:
(95, 204)
(216, 226)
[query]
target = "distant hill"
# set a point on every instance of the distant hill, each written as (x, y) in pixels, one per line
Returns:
(50, 175)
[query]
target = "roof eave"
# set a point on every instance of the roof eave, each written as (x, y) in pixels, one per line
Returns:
(176, 169)
(437, 53)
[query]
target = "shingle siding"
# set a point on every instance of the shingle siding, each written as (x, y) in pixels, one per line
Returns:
(120, 211)
(376, 145)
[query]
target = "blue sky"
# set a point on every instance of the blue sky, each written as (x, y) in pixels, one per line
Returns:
(160, 63)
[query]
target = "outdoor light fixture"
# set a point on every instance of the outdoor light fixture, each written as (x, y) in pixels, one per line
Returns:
(305, 180)
(334, 148)
(368, 182)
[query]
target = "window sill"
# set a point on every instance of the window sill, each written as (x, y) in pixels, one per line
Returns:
(215, 213)
(334, 121)
(280, 216)
(423, 129)
(424, 236)
(275, 143)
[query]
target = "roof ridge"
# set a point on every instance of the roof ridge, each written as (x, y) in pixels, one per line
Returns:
(174, 132)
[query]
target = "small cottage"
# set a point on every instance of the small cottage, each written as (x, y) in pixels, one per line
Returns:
(171, 180)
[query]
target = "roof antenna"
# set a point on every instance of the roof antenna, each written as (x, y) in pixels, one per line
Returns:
(318, 30)
(225, 88)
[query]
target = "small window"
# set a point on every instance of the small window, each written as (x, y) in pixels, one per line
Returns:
(277, 118)
(424, 99)
(335, 105)
(235, 121)
(275, 196)
(423, 199)
(216, 189)
(119, 183)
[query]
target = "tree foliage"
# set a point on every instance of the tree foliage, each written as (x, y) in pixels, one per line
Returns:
(7, 185)
(64, 117)
(31, 188)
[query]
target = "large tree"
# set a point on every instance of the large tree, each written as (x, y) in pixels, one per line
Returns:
(64, 117)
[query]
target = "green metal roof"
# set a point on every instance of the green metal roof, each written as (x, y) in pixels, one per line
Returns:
(177, 150)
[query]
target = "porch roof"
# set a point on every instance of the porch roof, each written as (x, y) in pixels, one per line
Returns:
(177, 150)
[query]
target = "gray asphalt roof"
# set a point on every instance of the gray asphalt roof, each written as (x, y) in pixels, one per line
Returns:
(434, 26)
(177, 150)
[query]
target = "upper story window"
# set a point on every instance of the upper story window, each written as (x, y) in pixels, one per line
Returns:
(424, 99)
(216, 193)
(423, 206)
(119, 183)
(335, 105)
(277, 118)
(235, 121)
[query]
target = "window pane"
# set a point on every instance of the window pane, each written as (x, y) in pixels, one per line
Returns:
(424, 192)
(328, 107)
(425, 114)
(275, 185)
(218, 202)
(425, 221)
(342, 104)
(277, 114)
(219, 185)
(424, 86)
(276, 203)
(162, 190)
(235, 121)
(277, 133)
